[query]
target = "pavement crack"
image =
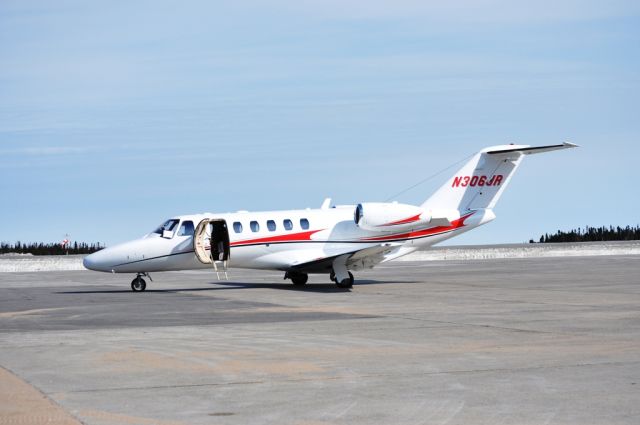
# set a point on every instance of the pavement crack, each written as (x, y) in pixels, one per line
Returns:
(482, 325)
(356, 376)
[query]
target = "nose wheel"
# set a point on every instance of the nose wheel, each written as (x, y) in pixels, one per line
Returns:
(138, 284)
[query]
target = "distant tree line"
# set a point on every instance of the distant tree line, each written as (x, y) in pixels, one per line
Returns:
(593, 234)
(40, 248)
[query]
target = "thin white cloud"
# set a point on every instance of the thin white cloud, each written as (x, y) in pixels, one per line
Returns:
(36, 151)
(477, 11)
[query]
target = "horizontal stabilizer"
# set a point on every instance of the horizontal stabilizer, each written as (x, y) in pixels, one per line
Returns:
(440, 221)
(533, 149)
(441, 217)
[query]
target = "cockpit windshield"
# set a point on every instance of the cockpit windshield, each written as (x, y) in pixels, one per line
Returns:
(169, 225)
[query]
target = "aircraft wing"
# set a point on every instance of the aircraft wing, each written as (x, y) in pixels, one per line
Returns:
(369, 257)
(358, 260)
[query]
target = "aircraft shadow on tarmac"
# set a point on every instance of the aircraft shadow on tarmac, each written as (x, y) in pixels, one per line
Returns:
(230, 285)
(311, 287)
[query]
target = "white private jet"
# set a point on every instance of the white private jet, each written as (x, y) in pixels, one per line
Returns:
(331, 240)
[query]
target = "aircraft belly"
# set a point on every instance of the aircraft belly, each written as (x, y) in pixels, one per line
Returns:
(272, 256)
(286, 256)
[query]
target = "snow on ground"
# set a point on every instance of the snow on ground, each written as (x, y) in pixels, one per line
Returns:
(40, 263)
(584, 249)
(32, 263)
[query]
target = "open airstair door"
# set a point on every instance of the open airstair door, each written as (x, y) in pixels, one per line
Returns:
(211, 241)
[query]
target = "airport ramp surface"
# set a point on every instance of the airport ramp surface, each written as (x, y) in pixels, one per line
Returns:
(517, 341)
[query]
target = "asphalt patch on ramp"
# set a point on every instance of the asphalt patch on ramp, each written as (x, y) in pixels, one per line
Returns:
(102, 307)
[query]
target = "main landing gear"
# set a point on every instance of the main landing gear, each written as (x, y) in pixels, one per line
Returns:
(138, 284)
(345, 283)
(297, 278)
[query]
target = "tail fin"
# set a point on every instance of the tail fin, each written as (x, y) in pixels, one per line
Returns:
(481, 181)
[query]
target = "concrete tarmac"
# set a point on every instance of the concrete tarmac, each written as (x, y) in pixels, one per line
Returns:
(519, 341)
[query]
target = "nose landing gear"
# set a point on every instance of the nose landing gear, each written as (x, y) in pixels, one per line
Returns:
(138, 284)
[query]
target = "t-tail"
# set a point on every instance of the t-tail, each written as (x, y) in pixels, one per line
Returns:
(478, 185)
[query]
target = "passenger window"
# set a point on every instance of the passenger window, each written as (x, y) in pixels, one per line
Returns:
(271, 225)
(186, 229)
(304, 223)
(255, 227)
(237, 227)
(288, 225)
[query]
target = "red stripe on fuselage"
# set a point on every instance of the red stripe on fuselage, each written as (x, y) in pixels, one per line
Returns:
(292, 237)
(403, 221)
(455, 224)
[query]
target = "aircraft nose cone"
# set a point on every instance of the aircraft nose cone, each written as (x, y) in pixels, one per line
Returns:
(89, 262)
(119, 258)
(95, 262)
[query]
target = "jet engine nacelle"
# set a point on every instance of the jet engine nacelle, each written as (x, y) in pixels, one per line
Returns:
(391, 217)
(381, 217)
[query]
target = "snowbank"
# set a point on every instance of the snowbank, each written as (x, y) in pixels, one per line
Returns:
(525, 251)
(29, 263)
(33, 263)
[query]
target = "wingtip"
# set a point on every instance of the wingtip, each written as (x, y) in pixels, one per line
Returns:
(571, 145)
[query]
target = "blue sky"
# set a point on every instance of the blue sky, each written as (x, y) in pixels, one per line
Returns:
(116, 115)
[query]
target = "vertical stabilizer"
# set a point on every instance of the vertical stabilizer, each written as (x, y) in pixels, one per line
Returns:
(481, 181)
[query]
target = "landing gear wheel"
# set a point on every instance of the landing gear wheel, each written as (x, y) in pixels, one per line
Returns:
(346, 283)
(138, 284)
(332, 277)
(299, 279)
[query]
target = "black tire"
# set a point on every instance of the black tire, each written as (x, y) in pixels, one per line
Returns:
(346, 283)
(332, 277)
(299, 278)
(138, 284)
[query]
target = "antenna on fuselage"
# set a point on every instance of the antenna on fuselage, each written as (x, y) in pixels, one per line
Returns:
(326, 204)
(428, 178)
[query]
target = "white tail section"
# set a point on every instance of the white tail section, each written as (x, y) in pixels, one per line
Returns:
(481, 181)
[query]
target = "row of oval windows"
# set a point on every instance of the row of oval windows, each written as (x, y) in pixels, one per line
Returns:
(271, 225)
